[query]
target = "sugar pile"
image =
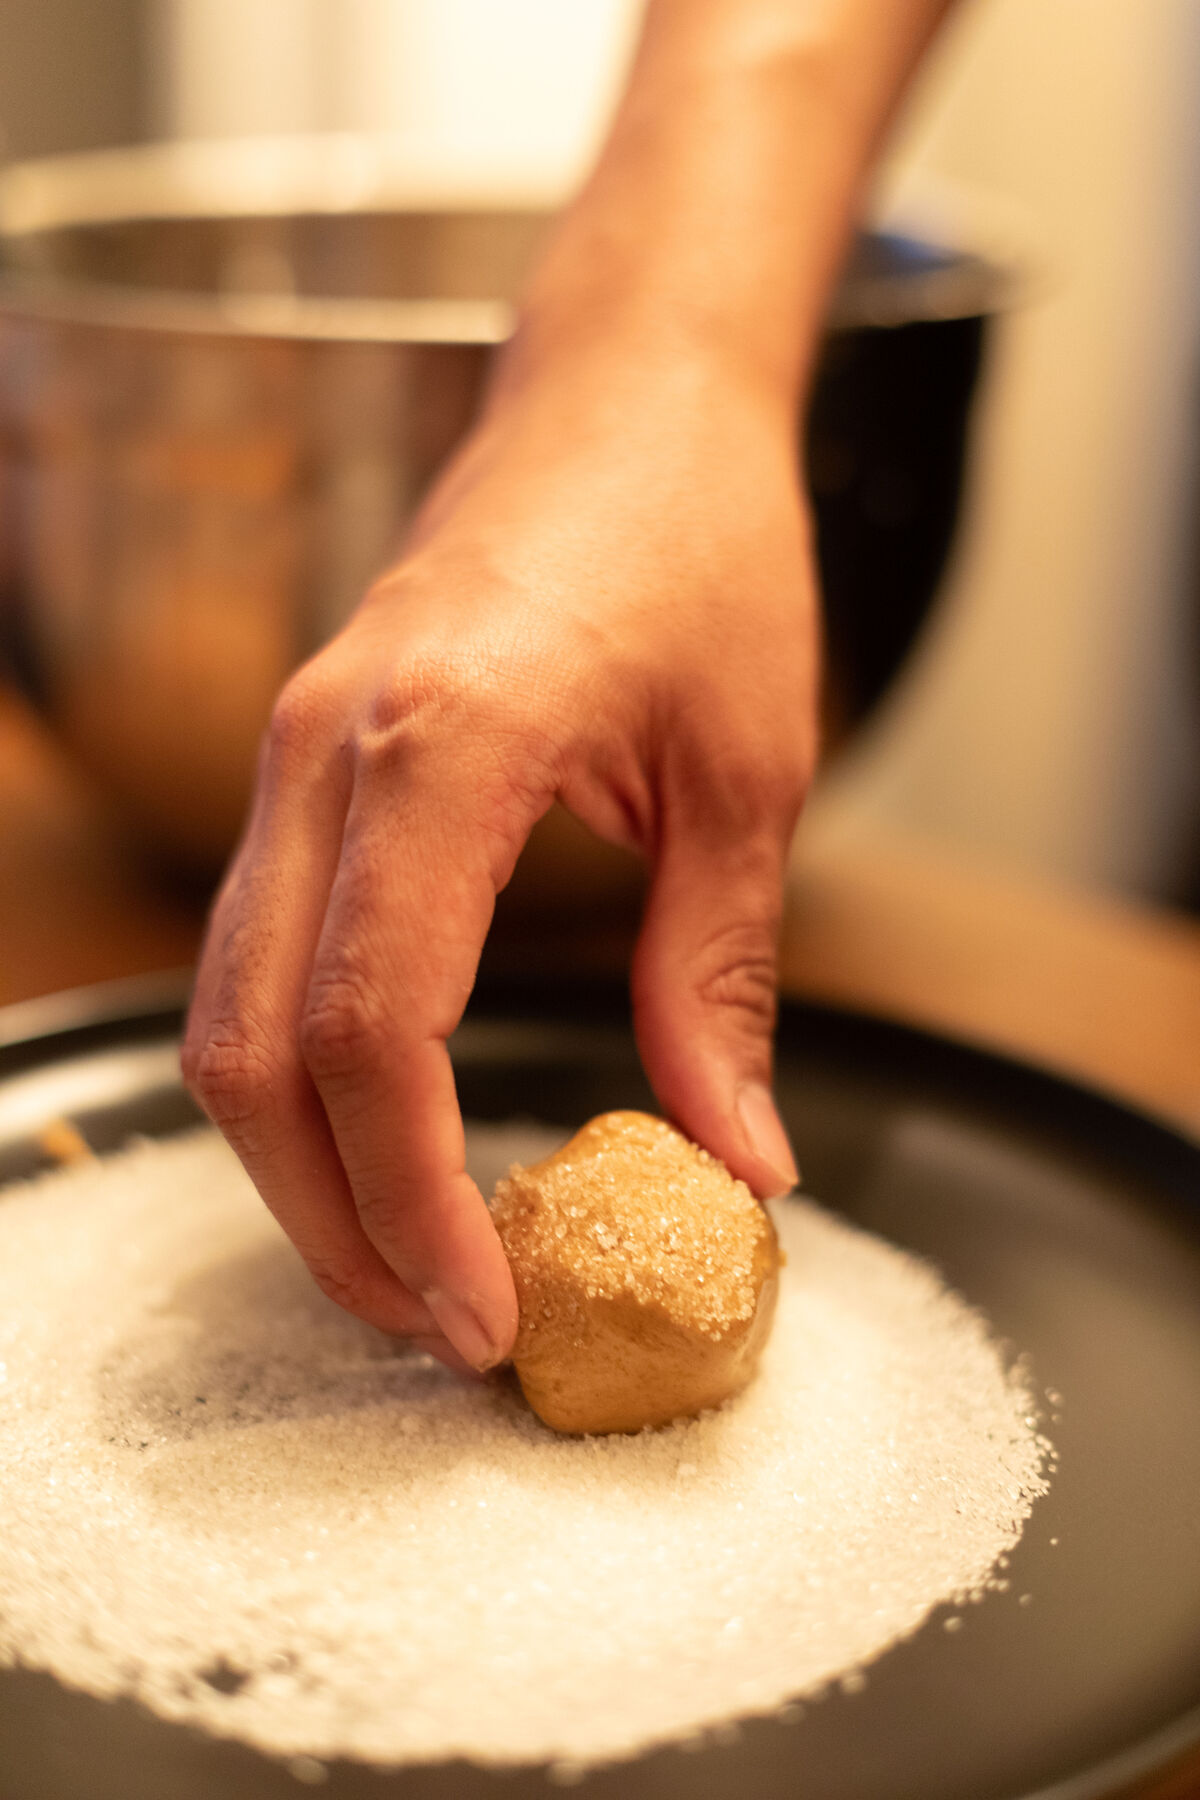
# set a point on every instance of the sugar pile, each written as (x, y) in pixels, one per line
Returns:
(225, 1496)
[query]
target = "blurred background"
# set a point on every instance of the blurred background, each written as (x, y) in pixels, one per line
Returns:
(1050, 716)
(1046, 719)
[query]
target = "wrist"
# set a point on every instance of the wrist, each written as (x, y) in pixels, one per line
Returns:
(713, 225)
(627, 341)
(642, 367)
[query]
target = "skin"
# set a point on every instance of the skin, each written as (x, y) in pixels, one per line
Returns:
(607, 600)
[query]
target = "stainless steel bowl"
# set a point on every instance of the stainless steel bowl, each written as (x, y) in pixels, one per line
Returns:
(224, 387)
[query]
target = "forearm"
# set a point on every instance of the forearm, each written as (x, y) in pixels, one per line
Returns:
(718, 213)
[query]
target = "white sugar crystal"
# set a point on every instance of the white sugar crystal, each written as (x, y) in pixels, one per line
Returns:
(220, 1493)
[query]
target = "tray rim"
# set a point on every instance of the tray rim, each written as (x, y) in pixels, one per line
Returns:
(30, 1029)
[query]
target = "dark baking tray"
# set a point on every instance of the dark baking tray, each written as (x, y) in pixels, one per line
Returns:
(1073, 1221)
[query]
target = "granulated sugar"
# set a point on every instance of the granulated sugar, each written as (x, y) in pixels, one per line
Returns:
(220, 1493)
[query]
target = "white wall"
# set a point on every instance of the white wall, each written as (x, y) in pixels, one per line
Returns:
(478, 82)
(1052, 722)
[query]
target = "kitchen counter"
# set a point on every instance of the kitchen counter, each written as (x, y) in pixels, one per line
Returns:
(1103, 990)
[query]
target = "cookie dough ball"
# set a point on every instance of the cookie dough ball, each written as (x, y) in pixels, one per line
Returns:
(646, 1277)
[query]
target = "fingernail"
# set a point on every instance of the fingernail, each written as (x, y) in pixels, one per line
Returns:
(463, 1328)
(766, 1136)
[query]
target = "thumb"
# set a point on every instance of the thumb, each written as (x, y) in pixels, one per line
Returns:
(704, 997)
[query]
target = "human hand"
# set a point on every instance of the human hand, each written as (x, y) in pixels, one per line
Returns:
(608, 601)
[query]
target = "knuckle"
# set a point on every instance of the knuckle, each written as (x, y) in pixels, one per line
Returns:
(341, 1282)
(431, 698)
(497, 764)
(411, 713)
(381, 1208)
(232, 1077)
(298, 718)
(343, 1032)
(736, 974)
(413, 699)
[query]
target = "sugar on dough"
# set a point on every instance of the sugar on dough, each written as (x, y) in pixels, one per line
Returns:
(646, 1277)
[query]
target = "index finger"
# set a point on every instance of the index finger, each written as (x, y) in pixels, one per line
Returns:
(240, 1054)
(427, 843)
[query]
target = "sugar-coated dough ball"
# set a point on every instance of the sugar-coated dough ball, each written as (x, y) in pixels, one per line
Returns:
(645, 1274)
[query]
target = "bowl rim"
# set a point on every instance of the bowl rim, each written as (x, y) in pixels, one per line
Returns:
(969, 271)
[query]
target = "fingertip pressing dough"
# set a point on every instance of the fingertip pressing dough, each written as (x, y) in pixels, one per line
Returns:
(646, 1277)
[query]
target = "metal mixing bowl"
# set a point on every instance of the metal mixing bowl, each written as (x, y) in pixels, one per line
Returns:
(225, 384)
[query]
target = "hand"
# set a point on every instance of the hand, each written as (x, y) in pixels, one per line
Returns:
(609, 601)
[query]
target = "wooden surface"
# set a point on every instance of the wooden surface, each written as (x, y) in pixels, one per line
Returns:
(1103, 990)
(1106, 991)
(75, 904)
